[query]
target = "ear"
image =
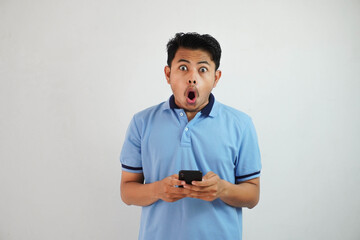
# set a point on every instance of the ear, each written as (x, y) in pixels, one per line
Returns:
(167, 73)
(217, 77)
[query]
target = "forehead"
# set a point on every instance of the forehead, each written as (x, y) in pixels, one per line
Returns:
(193, 55)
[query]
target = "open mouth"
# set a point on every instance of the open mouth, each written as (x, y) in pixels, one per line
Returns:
(191, 97)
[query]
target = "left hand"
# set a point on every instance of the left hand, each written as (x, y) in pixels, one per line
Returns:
(208, 189)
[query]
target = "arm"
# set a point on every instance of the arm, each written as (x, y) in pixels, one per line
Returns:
(245, 194)
(135, 192)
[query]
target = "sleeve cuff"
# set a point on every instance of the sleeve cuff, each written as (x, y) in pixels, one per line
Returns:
(132, 169)
(247, 177)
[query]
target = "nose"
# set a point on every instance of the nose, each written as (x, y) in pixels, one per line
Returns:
(192, 76)
(192, 81)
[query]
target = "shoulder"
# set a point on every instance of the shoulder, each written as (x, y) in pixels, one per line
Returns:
(146, 113)
(149, 115)
(231, 115)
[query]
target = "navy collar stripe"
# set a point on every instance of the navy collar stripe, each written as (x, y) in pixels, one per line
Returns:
(206, 110)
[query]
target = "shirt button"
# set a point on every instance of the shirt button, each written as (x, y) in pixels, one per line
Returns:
(181, 114)
(186, 129)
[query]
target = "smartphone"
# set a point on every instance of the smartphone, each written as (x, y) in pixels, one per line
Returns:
(190, 175)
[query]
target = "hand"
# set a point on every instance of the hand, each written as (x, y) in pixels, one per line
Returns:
(168, 191)
(208, 189)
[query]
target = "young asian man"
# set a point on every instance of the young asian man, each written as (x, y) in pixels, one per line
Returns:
(191, 131)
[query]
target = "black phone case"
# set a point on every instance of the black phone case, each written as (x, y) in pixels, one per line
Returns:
(190, 175)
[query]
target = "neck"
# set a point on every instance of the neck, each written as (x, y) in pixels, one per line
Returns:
(190, 115)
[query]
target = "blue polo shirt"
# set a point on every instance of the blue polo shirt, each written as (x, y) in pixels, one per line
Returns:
(160, 141)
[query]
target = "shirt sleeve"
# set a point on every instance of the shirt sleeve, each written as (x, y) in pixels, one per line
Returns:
(130, 156)
(248, 165)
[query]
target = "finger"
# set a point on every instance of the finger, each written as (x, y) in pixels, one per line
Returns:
(174, 198)
(197, 188)
(206, 182)
(204, 195)
(209, 175)
(177, 190)
(174, 180)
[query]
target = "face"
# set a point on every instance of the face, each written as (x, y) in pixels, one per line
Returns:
(192, 77)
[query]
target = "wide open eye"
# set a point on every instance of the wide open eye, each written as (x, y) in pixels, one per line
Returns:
(203, 69)
(183, 68)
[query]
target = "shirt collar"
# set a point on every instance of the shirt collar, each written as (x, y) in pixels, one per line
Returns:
(205, 111)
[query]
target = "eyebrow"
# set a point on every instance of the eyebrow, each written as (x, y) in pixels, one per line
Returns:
(204, 62)
(201, 62)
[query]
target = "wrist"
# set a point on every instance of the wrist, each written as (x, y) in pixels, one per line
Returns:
(224, 188)
(155, 190)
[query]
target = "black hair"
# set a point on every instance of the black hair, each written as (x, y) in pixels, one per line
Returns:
(194, 41)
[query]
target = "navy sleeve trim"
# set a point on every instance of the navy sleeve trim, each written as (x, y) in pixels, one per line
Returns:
(246, 176)
(131, 168)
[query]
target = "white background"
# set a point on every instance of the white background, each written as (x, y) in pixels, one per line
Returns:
(73, 73)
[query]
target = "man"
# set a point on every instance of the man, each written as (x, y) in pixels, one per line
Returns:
(191, 131)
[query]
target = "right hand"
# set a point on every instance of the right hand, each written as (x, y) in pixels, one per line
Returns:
(168, 191)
